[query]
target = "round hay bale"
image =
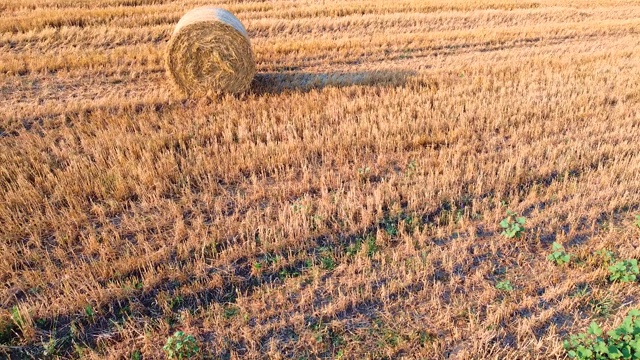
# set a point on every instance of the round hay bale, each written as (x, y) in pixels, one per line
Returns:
(209, 52)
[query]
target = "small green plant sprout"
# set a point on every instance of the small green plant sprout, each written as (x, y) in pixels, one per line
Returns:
(363, 172)
(328, 263)
(230, 312)
(504, 285)
(17, 317)
(327, 260)
(181, 346)
(637, 221)
(513, 225)
(136, 355)
(581, 290)
(559, 256)
(412, 166)
(372, 246)
(354, 248)
(607, 255)
(622, 342)
(88, 310)
(624, 271)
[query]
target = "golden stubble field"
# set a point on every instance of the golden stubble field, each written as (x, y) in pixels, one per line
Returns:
(346, 207)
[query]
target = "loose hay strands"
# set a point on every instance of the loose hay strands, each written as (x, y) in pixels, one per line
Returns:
(210, 52)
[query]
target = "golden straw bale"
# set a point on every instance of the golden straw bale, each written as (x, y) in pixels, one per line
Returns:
(210, 52)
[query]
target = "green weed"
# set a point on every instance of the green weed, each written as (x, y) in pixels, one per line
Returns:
(559, 256)
(513, 225)
(607, 256)
(504, 285)
(230, 312)
(181, 346)
(622, 342)
(624, 271)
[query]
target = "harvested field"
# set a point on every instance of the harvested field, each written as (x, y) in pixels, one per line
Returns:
(347, 206)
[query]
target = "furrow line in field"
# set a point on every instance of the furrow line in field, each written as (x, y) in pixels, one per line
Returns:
(24, 5)
(351, 49)
(117, 84)
(287, 7)
(304, 30)
(121, 16)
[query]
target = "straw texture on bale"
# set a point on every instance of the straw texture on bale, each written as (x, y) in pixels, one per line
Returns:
(209, 52)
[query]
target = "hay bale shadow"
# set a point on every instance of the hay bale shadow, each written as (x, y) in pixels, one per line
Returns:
(301, 81)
